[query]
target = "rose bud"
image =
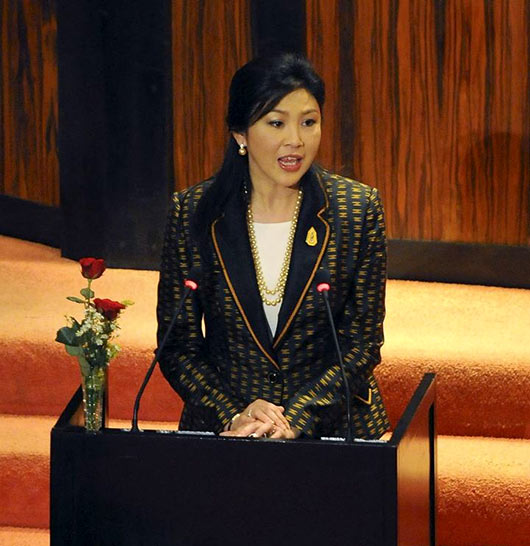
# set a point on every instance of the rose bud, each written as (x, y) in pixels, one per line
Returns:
(108, 308)
(92, 268)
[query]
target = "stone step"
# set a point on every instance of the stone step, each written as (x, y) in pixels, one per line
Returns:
(484, 491)
(20, 536)
(46, 378)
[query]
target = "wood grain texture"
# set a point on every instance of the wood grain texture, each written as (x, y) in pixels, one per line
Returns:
(429, 102)
(28, 93)
(211, 39)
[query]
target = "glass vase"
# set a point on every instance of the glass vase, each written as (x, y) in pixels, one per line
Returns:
(94, 382)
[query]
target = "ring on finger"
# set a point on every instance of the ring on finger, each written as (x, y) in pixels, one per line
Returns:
(252, 435)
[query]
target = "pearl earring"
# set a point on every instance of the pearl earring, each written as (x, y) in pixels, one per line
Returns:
(242, 150)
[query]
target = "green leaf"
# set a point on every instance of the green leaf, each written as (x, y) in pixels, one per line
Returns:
(67, 336)
(75, 299)
(74, 351)
(127, 303)
(87, 293)
(83, 363)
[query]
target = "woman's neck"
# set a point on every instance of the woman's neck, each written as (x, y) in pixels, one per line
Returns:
(271, 205)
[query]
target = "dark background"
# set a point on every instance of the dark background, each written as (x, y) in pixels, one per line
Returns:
(108, 107)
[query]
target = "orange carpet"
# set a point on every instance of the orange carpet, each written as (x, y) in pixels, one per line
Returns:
(16, 536)
(475, 338)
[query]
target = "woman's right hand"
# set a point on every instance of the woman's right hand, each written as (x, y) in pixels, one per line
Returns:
(266, 412)
(259, 418)
(246, 427)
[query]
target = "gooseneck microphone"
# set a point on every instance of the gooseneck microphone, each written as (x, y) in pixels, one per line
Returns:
(191, 284)
(323, 286)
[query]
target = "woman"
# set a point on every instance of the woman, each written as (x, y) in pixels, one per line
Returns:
(260, 230)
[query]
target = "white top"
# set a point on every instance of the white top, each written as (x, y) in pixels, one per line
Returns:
(272, 242)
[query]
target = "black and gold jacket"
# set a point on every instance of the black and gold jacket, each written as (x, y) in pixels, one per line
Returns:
(340, 228)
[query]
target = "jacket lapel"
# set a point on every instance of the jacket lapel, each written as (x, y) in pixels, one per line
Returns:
(230, 238)
(310, 242)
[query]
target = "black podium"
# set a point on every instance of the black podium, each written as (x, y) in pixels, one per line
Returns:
(155, 488)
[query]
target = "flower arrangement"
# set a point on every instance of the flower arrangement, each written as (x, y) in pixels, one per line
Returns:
(91, 341)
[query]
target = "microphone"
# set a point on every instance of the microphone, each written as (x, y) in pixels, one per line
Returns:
(191, 285)
(323, 286)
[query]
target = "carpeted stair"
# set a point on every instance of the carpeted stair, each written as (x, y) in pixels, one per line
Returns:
(475, 338)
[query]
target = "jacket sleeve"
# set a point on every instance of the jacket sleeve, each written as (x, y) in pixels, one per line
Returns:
(359, 329)
(184, 362)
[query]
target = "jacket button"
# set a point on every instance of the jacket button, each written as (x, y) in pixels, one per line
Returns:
(273, 377)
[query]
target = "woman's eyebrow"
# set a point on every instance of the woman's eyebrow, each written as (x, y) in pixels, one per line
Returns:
(304, 113)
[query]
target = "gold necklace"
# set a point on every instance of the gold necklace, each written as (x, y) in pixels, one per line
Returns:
(279, 289)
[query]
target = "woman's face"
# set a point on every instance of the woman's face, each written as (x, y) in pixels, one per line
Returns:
(284, 142)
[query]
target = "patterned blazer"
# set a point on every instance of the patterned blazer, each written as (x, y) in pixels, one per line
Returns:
(340, 228)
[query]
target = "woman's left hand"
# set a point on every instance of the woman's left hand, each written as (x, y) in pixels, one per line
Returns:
(286, 434)
(252, 428)
(257, 429)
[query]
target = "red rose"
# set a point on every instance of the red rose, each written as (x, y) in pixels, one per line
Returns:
(108, 308)
(92, 268)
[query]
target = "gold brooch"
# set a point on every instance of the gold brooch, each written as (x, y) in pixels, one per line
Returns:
(311, 238)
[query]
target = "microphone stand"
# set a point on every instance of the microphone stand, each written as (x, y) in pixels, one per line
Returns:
(323, 288)
(190, 287)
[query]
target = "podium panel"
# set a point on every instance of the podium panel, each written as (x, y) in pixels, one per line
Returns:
(168, 488)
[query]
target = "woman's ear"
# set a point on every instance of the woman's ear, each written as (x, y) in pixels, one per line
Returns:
(240, 138)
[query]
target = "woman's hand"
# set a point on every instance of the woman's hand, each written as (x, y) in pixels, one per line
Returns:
(249, 428)
(266, 412)
(261, 419)
(256, 429)
(290, 434)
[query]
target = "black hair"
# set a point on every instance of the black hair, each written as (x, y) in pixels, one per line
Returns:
(256, 88)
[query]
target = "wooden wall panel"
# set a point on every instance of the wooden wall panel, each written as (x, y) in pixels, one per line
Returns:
(429, 101)
(28, 93)
(211, 39)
